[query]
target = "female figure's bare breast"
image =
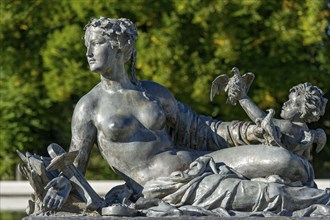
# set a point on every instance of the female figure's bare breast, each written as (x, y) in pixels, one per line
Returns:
(127, 116)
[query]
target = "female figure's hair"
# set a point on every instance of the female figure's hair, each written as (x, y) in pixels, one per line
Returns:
(312, 102)
(121, 33)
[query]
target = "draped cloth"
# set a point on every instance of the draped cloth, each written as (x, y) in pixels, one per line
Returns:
(208, 189)
(200, 132)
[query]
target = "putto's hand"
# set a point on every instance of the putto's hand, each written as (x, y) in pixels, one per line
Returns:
(58, 192)
(238, 86)
(235, 92)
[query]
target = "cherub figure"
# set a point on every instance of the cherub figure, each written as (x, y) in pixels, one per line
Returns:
(306, 104)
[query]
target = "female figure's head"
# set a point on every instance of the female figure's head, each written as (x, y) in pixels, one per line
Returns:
(109, 39)
(306, 103)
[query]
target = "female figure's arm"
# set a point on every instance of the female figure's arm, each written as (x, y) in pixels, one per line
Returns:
(83, 137)
(83, 134)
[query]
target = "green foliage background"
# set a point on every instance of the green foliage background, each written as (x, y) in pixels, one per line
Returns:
(183, 44)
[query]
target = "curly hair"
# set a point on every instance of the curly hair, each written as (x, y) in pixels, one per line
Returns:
(312, 102)
(121, 33)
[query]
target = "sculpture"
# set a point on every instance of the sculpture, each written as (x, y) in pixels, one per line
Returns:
(174, 162)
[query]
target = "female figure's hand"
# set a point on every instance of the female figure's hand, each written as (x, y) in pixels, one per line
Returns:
(58, 192)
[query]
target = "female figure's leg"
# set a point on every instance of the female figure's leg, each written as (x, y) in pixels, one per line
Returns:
(255, 161)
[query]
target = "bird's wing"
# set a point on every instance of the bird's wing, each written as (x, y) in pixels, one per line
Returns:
(218, 84)
(321, 139)
(247, 80)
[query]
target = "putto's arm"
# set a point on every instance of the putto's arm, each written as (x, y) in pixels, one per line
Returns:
(251, 109)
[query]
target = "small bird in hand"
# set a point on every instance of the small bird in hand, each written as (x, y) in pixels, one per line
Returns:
(236, 86)
(271, 134)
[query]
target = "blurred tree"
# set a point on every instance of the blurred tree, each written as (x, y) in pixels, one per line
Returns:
(183, 44)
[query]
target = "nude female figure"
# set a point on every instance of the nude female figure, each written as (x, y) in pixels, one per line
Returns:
(130, 122)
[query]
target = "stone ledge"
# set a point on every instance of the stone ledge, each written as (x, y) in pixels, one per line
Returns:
(169, 218)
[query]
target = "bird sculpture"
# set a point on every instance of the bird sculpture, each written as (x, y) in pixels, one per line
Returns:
(271, 133)
(232, 86)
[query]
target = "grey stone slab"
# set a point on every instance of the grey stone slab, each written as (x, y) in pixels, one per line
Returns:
(168, 218)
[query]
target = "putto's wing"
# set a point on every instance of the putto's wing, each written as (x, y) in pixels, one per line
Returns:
(321, 139)
(247, 81)
(218, 84)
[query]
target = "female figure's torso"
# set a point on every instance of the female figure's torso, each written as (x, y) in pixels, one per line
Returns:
(132, 136)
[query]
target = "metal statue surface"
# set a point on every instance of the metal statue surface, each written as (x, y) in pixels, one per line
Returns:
(173, 161)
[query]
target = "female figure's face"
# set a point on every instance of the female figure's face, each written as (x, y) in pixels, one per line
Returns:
(100, 55)
(290, 108)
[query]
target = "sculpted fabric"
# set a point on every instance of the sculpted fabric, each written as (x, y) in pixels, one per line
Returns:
(202, 132)
(210, 187)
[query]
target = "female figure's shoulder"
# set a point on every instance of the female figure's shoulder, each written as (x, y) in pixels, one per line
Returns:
(156, 89)
(88, 102)
(162, 94)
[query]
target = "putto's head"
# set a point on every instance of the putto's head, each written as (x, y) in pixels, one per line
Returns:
(120, 33)
(307, 101)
